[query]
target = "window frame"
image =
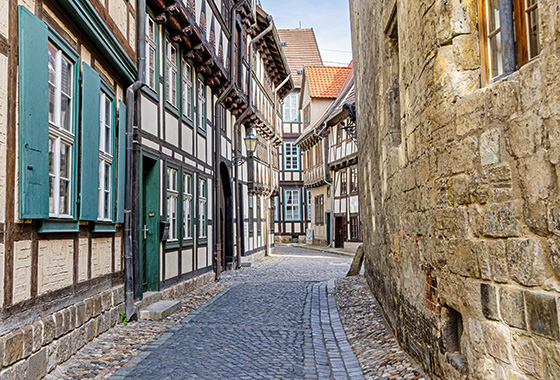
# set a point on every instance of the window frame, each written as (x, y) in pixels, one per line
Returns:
(104, 156)
(187, 225)
(319, 210)
(354, 180)
(286, 205)
(189, 115)
(355, 237)
(308, 201)
(291, 156)
(174, 237)
(174, 104)
(202, 200)
(293, 108)
(154, 91)
(344, 182)
(276, 208)
(59, 43)
(201, 106)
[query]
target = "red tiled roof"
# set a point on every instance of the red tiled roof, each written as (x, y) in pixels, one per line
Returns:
(300, 48)
(325, 81)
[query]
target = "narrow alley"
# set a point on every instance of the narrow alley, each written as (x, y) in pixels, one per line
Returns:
(275, 320)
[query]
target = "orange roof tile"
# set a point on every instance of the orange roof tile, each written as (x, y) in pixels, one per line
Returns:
(325, 81)
(300, 48)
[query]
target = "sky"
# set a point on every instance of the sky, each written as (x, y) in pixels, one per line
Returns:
(329, 19)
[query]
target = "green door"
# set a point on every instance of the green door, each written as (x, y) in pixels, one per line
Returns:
(149, 227)
(328, 227)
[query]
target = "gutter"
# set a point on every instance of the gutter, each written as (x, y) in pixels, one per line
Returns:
(130, 109)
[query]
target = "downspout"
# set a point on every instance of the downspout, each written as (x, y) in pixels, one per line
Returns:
(238, 122)
(128, 199)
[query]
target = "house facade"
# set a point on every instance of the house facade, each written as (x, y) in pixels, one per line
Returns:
(292, 205)
(459, 180)
(62, 178)
(320, 87)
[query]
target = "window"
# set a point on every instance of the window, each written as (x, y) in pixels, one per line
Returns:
(201, 106)
(187, 90)
(61, 132)
(343, 182)
(151, 52)
(309, 201)
(291, 108)
(354, 180)
(354, 228)
(187, 206)
(251, 215)
(202, 207)
(319, 209)
(292, 205)
(291, 156)
(306, 116)
(172, 197)
(258, 216)
(509, 36)
(339, 134)
(276, 209)
(171, 73)
(104, 212)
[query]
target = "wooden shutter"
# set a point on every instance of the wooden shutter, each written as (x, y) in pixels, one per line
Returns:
(89, 164)
(33, 117)
(121, 163)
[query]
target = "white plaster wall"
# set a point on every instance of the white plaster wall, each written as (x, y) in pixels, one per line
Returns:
(149, 115)
(83, 259)
(171, 264)
(55, 265)
(22, 271)
(101, 256)
(171, 129)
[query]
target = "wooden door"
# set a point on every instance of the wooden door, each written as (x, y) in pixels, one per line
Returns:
(149, 227)
(339, 232)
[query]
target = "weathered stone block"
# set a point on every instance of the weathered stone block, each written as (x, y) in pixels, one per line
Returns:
(59, 324)
(64, 349)
(106, 300)
(523, 135)
(49, 329)
(20, 370)
(489, 301)
(490, 152)
(37, 365)
(37, 335)
(459, 189)
(512, 307)
(97, 305)
(7, 374)
(498, 338)
(13, 347)
(80, 313)
(89, 308)
(52, 352)
(118, 295)
(542, 314)
(525, 261)
(496, 250)
(27, 340)
(501, 220)
(529, 358)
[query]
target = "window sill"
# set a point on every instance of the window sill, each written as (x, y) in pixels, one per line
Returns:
(169, 245)
(187, 120)
(58, 226)
(171, 108)
(188, 243)
(104, 227)
(201, 131)
(202, 241)
(151, 93)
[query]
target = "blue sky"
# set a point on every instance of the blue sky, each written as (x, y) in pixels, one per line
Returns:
(329, 19)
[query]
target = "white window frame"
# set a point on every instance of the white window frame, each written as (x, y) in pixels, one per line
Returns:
(291, 160)
(172, 196)
(171, 70)
(202, 183)
(104, 188)
(309, 203)
(59, 136)
(187, 89)
(187, 206)
(292, 205)
(201, 90)
(290, 112)
(151, 53)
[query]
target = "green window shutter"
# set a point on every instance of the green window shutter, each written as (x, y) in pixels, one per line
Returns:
(121, 163)
(33, 117)
(89, 165)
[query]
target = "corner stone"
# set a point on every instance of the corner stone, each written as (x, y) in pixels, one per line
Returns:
(542, 314)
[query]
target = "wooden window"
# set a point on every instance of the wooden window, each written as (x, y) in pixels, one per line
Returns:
(187, 90)
(354, 180)
(354, 228)
(106, 147)
(61, 132)
(250, 200)
(309, 201)
(258, 216)
(201, 109)
(509, 36)
(187, 206)
(292, 204)
(291, 156)
(319, 209)
(343, 182)
(291, 108)
(151, 52)
(339, 134)
(171, 73)
(172, 197)
(276, 209)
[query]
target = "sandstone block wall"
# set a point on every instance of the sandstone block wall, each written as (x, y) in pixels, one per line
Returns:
(460, 191)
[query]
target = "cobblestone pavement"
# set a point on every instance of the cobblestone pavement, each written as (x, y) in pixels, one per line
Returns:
(275, 320)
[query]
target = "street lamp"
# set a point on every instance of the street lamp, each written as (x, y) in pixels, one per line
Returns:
(250, 145)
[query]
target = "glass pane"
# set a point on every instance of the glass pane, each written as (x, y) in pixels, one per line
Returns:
(107, 180)
(52, 64)
(494, 15)
(51, 103)
(64, 160)
(51, 194)
(533, 28)
(65, 112)
(107, 139)
(107, 205)
(496, 55)
(108, 110)
(64, 197)
(66, 77)
(152, 60)
(51, 155)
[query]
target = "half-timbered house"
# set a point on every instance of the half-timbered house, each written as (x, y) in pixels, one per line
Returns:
(293, 203)
(320, 87)
(64, 69)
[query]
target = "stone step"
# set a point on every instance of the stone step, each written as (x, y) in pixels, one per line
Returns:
(160, 310)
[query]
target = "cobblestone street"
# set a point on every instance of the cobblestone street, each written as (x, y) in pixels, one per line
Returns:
(275, 320)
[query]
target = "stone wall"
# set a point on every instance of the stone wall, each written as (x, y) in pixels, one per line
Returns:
(459, 190)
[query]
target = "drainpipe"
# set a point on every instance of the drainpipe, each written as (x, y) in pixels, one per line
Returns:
(128, 199)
